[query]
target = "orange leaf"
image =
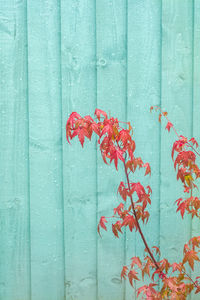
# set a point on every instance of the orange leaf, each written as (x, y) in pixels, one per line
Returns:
(102, 224)
(157, 250)
(132, 275)
(136, 261)
(122, 190)
(114, 230)
(129, 221)
(148, 169)
(189, 257)
(124, 272)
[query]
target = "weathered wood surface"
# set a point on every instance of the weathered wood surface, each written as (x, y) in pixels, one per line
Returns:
(56, 57)
(45, 151)
(177, 100)
(14, 154)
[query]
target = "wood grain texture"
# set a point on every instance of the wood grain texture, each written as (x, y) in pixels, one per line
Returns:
(79, 168)
(121, 56)
(144, 91)
(47, 255)
(14, 172)
(111, 97)
(177, 100)
(196, 105)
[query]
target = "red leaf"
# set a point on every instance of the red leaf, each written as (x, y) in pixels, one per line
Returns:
(82, 132)
(131, 149)
(116, 154)
(142, 289)
(169, 126)
(146, 269)
(107, 129)
(99, 112)
(149, 189)
(116, 227)
(185, 158)
(124, 136)
(157, 250)
(148, 169)
(69, 125)
(176, 267)
(195, 241)
(151, 108)
(194, 142)
(197, 290)
(149, 292)
(138, 188)
(181, 207)
(160, 274)
(137, 162)
(124, 272)
(74, 116)
(122, 190)
(132, 275)
(102, 224)
(129, 221)
(129, 165)
(118, 209)
(136, 261)
(179, 145)
(130, 129)
(164, 265)
(189, 257)
(114, 230)
(95, 127)
(104, 156)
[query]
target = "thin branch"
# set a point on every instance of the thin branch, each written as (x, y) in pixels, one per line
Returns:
(138, 225)
(190, 279)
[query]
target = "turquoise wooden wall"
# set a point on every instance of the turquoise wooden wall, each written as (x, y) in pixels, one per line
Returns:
(59, 56)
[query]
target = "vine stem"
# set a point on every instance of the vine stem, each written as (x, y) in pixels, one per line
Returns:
(193, 148)
(137, 222)
(157, 107)
(135, 215)
(189, 145)
(190, 279)
(140, 230)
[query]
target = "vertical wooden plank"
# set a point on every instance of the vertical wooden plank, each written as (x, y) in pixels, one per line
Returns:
(79, 94)
(14, 173)
(111, 97)
(143, 92)
(196, 105)
(47, 259)
(177, 100)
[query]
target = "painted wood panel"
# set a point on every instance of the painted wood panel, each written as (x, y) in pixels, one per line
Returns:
(45, 141)
(14, 163)
(120, 56)
(177, 20)
(144, 46)
(196, 104)
(79, 168)
(111, 97)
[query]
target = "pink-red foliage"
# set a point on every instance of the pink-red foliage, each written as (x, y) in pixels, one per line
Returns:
(116, 144)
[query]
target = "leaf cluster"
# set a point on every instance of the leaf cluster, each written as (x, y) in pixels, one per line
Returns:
(117, 144)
